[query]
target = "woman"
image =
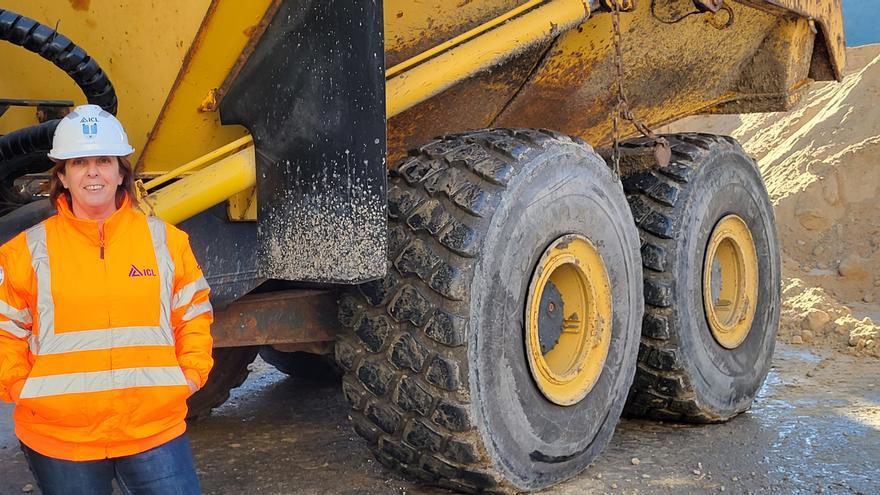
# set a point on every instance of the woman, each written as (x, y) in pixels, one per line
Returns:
(104, 327)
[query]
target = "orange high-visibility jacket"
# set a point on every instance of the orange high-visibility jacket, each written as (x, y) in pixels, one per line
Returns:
(98, 334)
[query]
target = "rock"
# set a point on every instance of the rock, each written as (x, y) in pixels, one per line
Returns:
(614, 486)
(869, 343)
(696, 472)
(868, 298)
(854, 340)
(598, 476)
(813, 219)
(843, 328)
(797, 340)
(635, 461)
(818, 250)
(807, 336)
(853, 266)
(817, 319)
(27, 488)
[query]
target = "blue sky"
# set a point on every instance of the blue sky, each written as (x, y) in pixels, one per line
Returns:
(861, 20)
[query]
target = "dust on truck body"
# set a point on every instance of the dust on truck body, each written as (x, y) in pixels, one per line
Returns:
(495, 297)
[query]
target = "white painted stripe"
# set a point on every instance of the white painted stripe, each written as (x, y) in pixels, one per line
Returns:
(99, 381)
(36, 241)
(197, 309)
(106, 338)
(166, 271)
(14, 329)
(185, 295)
(13, 313)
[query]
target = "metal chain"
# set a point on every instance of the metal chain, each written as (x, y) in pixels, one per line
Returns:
(618, 57)
(622, 110)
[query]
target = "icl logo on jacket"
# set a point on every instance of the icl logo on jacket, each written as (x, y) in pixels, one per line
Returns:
(146, 272)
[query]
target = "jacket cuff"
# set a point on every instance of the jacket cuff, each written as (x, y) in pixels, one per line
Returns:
(15, 390)
(194, 376)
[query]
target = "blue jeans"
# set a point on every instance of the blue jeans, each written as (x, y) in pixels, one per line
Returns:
(164, 470)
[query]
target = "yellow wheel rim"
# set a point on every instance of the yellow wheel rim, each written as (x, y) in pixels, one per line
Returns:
(730, 281)
(568, 320)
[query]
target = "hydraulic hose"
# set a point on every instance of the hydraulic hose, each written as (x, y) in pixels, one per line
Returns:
(64, 53)
(67, 56)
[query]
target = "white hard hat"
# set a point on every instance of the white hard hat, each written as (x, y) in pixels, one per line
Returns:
(89, 131)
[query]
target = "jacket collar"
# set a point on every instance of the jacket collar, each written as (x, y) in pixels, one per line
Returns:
(114, 226)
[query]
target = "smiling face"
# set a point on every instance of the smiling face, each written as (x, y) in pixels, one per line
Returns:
(92, 182)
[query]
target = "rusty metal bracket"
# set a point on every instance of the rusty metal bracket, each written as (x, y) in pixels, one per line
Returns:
(284, 317)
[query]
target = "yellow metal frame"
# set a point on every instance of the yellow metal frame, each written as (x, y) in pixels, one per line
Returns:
(473, 33)
(409, 83)
(440, 68)
(186, 128)
(730, 281)
(567, 372)
(210, 186)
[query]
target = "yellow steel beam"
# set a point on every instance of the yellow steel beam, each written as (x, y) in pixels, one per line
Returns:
(397, 69)
(500, 40)
(201, 161)
(207, 187)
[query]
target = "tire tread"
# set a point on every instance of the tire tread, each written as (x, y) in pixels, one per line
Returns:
(661, 389)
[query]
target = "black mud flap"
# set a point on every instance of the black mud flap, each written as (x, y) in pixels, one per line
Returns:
(312, 95)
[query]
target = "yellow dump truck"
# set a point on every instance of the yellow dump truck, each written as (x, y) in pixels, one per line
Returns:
(410, 188)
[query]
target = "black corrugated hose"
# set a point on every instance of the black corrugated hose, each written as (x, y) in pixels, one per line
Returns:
(66, 55)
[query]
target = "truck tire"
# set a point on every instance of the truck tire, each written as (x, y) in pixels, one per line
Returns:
(230, 370)
(449, 359)
(306, 365)
(712, 281)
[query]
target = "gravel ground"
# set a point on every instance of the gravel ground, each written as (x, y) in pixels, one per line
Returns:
(815, 428)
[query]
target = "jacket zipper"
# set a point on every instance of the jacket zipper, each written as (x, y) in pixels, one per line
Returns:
(101, 240)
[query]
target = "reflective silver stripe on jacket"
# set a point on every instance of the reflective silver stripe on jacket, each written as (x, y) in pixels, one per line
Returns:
(19, 319)
(99, 381)
(22, 316)
(14, 329)
(197, 309)
(186, 293)
(166, 271)
(106, 338)
(36, 242)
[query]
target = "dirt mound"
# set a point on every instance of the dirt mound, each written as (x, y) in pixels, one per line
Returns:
(821, 166)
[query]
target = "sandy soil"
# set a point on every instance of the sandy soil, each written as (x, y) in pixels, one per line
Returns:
(821, 166)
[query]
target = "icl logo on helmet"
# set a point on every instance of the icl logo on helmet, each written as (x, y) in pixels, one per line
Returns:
(89, 126)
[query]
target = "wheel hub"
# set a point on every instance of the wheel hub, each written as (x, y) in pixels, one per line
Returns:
(568, 319)
(730, 281)
(550, 320)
